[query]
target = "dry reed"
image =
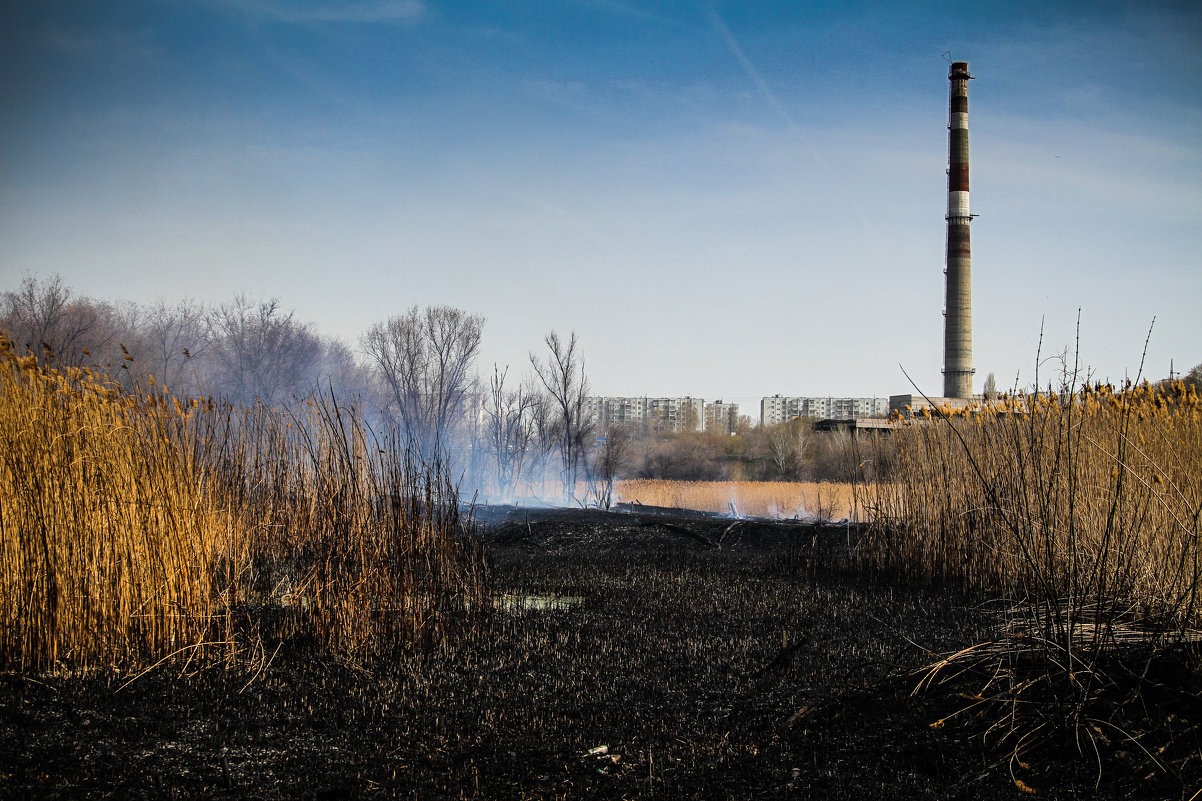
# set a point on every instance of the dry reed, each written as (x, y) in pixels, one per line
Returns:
(1080, 512)
(135, 526)
(107, 534)
(1078, 501)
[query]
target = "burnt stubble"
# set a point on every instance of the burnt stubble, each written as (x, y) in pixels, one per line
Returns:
(648, 655)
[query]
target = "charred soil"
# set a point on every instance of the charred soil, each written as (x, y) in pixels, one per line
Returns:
(637, 654)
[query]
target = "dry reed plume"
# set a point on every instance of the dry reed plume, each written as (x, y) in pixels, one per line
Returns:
(134, 526)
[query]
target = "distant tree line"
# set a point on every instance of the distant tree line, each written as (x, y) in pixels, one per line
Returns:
(416, 373)
(791, 451)
(241, 351)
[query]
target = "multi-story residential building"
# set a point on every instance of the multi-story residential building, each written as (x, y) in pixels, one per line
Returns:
(774, 410)
(677, 414)
(721, 416)
(594, 410)
(659, 414)
(607, 411)
(694, 414)
(780, 409)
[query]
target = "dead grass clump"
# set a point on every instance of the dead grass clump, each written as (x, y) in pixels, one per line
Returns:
(1085, 504)
(354, 543)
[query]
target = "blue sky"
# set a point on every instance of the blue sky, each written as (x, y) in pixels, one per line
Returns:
(724, 199)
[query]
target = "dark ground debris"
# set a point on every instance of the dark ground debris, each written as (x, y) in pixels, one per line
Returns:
(655, 655)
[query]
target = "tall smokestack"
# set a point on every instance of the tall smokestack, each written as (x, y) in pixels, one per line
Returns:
(957, 322)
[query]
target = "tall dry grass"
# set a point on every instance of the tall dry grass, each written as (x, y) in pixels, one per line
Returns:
(353, 541)
(108, 536)
(1078, 502)
(135, 526)
(1080, 511)
(785, 499)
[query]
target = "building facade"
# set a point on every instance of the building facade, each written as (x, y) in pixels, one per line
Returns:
(658, 414)
(721, 416)
(908, 405)
(779, 409)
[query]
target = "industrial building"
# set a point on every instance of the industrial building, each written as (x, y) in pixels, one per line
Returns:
(957, 311)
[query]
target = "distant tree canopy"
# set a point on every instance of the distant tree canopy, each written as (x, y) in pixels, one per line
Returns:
(260, 351)
(415, 370)
(1194, 376)
(426, 361)
(44, 317)
(239, 351)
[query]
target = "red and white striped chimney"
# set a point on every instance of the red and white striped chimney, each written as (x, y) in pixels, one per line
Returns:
(957, 322)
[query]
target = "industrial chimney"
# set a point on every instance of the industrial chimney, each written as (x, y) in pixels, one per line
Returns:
(957, 313)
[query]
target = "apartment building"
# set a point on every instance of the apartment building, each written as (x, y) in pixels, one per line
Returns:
(721, 416)
(781, 409)
(659, 414)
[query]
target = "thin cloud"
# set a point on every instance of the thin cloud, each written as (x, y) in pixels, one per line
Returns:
(370, 12)
(633, 11)
(749, 69)
(110, 42)
(720, 27)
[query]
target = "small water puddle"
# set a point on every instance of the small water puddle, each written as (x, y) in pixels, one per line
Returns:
(538, 603)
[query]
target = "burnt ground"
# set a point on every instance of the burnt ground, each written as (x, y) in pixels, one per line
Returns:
(650, 654)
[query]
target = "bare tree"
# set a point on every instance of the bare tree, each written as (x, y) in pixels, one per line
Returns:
(787, 445)
(609, 460)
(509, 430)
(260, 351)
(562, 375)
(545, 425)
(173, 342)
(989, 390)
(425, 360)
(45, 318)
(1194, 376)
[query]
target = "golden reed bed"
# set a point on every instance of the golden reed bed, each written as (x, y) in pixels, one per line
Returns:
(786, 499)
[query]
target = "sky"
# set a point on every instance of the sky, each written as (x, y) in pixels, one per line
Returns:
(721, 199)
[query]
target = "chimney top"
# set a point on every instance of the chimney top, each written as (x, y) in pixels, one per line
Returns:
(959, 70)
